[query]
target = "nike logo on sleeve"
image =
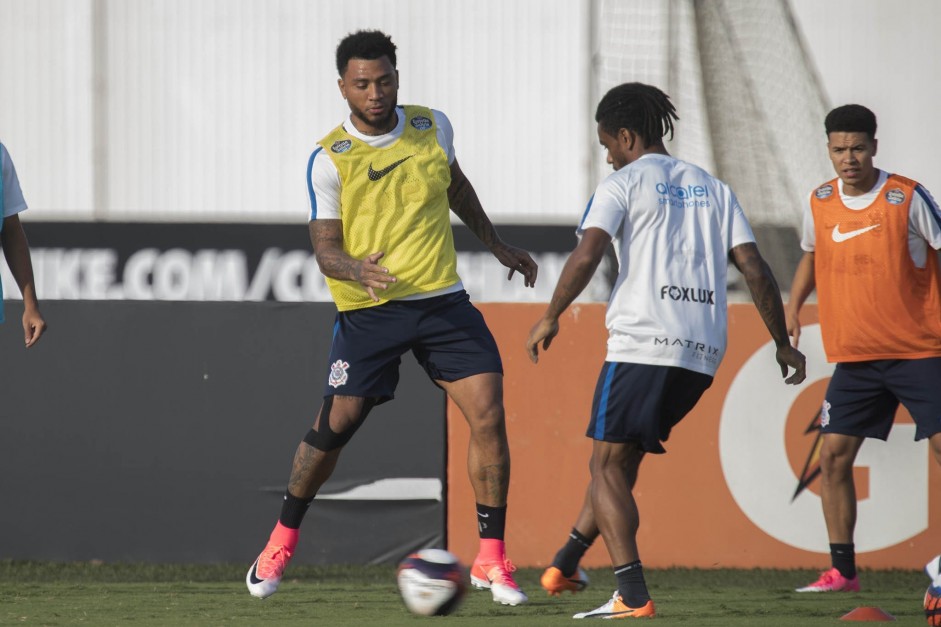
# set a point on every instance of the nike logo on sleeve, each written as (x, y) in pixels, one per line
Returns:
(375, 175)
(842, 237)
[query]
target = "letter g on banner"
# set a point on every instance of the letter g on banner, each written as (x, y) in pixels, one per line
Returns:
(758, 473)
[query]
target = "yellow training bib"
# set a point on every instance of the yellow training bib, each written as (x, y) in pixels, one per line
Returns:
(395, 200)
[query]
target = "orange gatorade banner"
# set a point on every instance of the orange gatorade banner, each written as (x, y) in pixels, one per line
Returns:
(737, 487)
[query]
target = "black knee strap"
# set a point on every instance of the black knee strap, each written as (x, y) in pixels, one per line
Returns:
(323, 438)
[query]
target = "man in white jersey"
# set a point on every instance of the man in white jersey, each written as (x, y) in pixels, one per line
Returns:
(382, 186)
(16, 249)
(675, 230)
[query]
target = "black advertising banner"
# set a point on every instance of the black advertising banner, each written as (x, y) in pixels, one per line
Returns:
(240, 262)
(165, 431)
(183, 365)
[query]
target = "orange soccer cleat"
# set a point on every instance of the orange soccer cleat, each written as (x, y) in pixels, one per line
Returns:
(555, 583)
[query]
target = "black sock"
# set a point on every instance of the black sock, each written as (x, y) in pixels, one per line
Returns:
(570, 555)
(491, 521)
(293, 510)
(843, 557)
(631, 584)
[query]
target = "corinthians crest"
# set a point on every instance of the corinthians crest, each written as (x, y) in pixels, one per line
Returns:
(338, 374)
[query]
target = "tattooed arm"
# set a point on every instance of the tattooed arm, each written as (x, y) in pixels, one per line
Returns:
(464, 202)
(326, 236)
(767, 298)
(577, 272)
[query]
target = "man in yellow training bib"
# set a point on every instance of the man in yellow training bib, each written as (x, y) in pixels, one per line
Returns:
(381, 187)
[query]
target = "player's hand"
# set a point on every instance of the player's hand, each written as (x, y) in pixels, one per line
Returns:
(788, 356)
(793, 323)
(517, 260)
(544, 331)
(372, 276)
(33, 326)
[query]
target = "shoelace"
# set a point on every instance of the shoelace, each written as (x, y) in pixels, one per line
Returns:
(272, 564)
(827, 578)
(503, 573)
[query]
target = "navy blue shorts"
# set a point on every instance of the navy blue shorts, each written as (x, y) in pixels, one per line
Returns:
(641, 403)
(863, 396)
(447, 335)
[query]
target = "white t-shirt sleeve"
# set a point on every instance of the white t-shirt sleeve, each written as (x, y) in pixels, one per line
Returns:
(13, 201)
(445, 134)
(323, 186)
(925, 217)
(808, 235)
(741, 229)
(606, 210)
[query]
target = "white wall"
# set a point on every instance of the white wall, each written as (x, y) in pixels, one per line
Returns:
(886, 56)
(46, 102)
(213, 106)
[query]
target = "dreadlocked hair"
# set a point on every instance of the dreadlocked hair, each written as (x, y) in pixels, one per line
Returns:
(640, 108)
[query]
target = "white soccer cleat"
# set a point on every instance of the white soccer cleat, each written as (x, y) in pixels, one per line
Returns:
(264, 576)
(616, 608)
(496, 577)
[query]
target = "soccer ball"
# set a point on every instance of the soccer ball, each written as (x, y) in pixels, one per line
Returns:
(933, 606)
(432, 582)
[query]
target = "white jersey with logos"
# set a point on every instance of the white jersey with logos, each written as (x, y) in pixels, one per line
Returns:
(673, 226)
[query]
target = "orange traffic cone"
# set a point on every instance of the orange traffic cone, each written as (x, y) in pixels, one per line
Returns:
(867, 613)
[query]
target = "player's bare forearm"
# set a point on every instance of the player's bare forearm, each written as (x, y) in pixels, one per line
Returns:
(578, 270)
(764, 290)
(16, 251)
(802, 285)
(326, 237)
(576, 274)
(804, 282)
(466, 205)
(568, 288)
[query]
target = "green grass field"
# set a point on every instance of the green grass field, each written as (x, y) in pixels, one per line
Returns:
(34, 593)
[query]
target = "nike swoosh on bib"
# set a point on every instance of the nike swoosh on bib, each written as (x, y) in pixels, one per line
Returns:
(842, 237)
(375, 175)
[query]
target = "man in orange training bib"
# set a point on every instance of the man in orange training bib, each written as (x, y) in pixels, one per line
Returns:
(870, 240)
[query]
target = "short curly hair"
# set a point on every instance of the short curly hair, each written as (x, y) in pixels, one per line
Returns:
(364, 44)
(851, 118)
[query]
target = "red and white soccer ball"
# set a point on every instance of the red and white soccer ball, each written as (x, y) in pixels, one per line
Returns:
(432, 582)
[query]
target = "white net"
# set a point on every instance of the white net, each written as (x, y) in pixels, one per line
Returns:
(750, 104)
